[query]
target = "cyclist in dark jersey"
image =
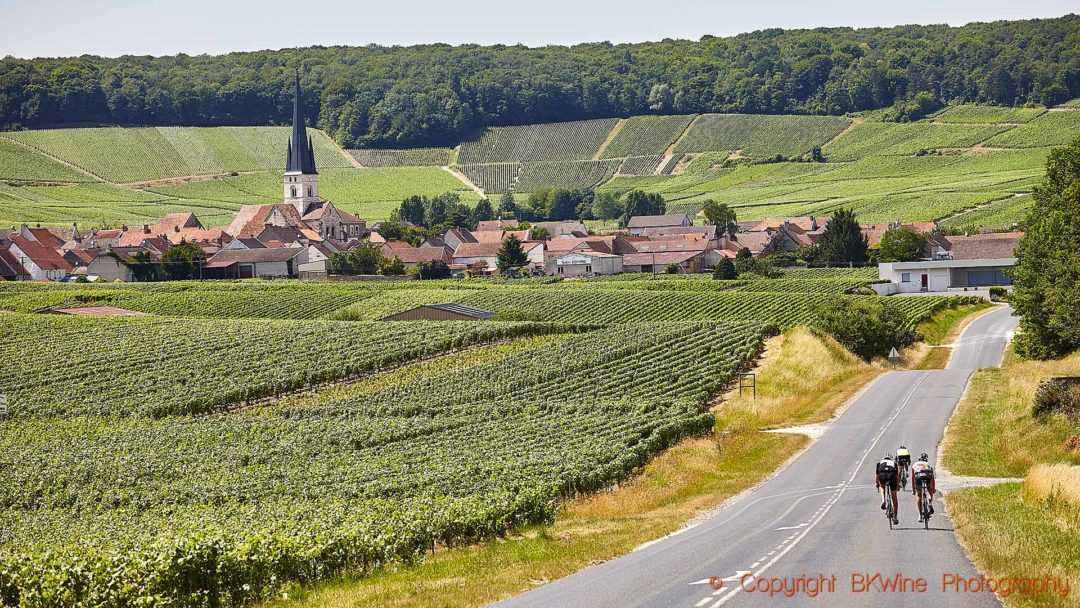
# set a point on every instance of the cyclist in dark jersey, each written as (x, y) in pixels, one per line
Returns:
(887, 479)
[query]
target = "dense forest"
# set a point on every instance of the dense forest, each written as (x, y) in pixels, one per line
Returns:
(439, 94)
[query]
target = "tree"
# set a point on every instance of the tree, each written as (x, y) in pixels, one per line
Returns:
(900, 245)
(672, 268)
(638, 202)
(482, 212)
(391, 267)
(843, 242)
(606, 206)
(182, 261)
(865, 325)
(724, 270)
(436, 269)
(1047, 269)
(744, 261)
(511, 254)
(721, 216)
(366, 258)
(507, 206)
(412, 210)
(142, 266)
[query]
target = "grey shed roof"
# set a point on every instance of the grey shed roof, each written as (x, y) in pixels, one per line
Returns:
(462, 309)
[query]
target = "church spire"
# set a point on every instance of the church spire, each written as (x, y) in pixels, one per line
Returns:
(300, 156)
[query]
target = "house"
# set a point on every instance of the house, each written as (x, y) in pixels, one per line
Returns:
(760, 244)
(311, 261)
(555, 229)
(971, 262)
(688, 261)
(10, 268)
(639, 223)
(449, 311)
(706, 232)
(413, 256)
(271, 262)
(39, 261)
(495, 225)
(468, 254)
(455, 237)
(586, 262)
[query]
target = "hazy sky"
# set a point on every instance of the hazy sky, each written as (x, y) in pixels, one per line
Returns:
(50, 28)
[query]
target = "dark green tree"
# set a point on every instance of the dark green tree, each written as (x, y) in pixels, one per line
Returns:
(721, 216)
(482, 212)
(142, 266)
(367, 258)
(843, 241)
(507, 206)
(436, 269)
(1046, 277)
(744, 261)
(412, 210)
(900, 245)
(182, 261)
(606, 206)
(391, 267)
(865, 325)
(638, 202)
(511, 254)
(724, 270)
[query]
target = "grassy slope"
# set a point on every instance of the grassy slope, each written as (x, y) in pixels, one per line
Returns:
(993, 433)
(878, 174)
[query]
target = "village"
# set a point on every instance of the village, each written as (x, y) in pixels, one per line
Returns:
(301, 236)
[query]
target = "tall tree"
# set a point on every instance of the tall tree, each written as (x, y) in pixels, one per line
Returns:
(900, 245)
(638, 202)
(843, 241)
(511, 254)
(183, 261)
(507, 206)
(1047, 272)
(412, 210)
(482, 212)
(721, 216)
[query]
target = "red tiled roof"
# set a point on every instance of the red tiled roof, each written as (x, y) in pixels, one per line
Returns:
(985, 246)
(495, 225)
(671, 245)
(656, 221)
(45, 258)
(46, 238)
(9, 265)
(419, 254)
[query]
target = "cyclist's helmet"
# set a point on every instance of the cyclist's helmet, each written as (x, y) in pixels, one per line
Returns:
(924, 457)
(903, 447)
(887, 456)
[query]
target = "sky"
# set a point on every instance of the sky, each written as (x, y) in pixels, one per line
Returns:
(59, 28)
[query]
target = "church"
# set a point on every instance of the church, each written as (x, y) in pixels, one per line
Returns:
(302, 210)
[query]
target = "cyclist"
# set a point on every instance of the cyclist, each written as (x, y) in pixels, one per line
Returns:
(903, 461)
(922, 474)
(886, 479)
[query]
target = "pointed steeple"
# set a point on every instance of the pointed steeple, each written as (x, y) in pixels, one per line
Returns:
(300, 155)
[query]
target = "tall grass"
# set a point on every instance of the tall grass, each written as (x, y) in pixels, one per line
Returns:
(1054, 482)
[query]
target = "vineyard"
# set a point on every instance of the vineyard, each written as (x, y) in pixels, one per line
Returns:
(987, 114)
(565, 174)
(493, 178)
(877, 138)
(577, 140)
(151, 463)
(1055, 128)
(405, 157)
(20, 163)
(172, 151)
(639, 165)
(646, 135)
(761, 136)
(180, 370)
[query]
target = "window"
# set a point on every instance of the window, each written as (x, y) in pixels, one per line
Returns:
(588, 269)
(560, 270)
(309, 191)
(292, 191)
(905, 277)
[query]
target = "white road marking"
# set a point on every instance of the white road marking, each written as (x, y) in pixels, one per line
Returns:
(832, 501)
(802, 525)
(704, 600)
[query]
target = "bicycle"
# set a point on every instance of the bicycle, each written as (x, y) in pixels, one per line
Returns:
(925, 509)
(889, 513)
(903, 478)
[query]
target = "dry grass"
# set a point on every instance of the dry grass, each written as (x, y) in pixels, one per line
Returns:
(993, 433)
(1054, 482)
(802, 377)
(694, 475)
(1010, 535)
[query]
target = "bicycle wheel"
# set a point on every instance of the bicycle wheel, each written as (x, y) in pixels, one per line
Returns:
(925, 510)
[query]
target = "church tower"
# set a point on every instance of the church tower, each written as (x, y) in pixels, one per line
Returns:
(301, 178)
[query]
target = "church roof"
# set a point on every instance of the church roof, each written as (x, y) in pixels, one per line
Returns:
(300, 154)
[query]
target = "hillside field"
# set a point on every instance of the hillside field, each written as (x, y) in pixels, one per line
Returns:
(964, 165)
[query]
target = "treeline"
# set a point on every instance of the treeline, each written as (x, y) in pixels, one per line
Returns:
(440, 94)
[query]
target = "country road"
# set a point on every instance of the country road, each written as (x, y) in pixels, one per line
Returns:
(817, 518)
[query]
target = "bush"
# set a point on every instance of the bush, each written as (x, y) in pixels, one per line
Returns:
(866, 326)
(672, 269)
(998, 293)
(1058, 396)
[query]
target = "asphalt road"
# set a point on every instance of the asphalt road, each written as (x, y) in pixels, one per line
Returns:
(817, 519)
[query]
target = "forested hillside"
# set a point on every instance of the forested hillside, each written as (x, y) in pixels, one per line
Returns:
(439, 94)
